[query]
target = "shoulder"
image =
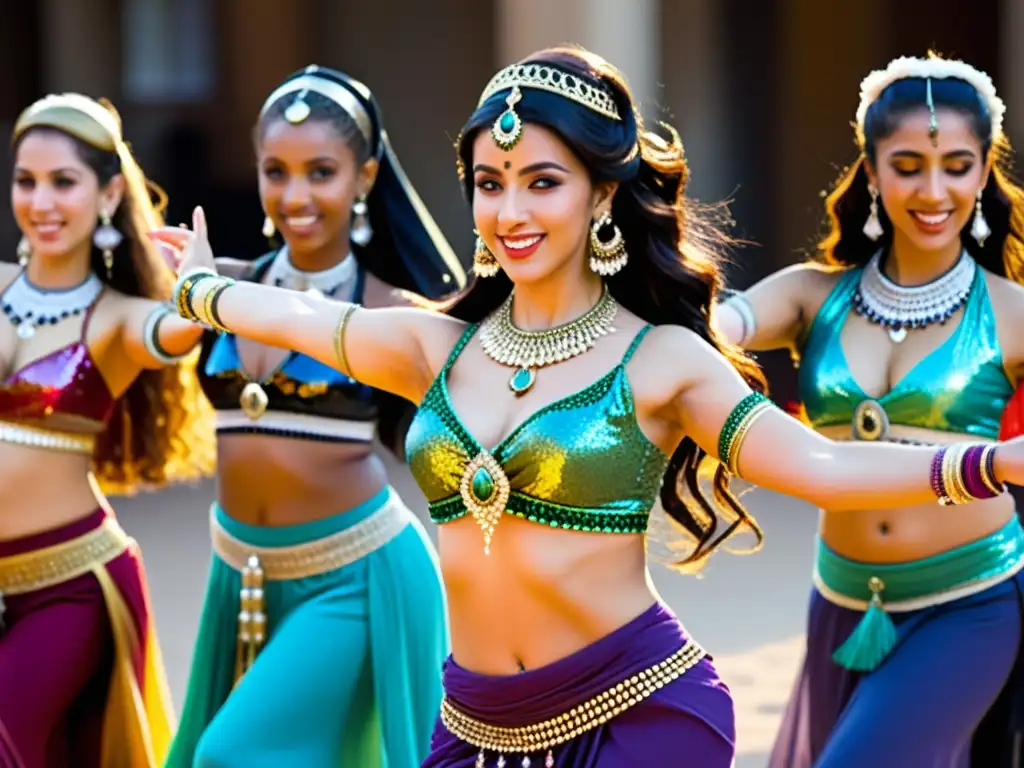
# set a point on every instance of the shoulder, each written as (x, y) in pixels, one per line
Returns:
(377, 293)
(812, 280)
(1007, 300)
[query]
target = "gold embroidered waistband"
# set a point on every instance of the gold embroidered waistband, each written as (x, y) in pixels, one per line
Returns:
(314, 557)
(49, 439)
(584, 717)
(47, 567)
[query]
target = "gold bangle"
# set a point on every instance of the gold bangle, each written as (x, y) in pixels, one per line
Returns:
(203, 305)
(732, 459)
(989, 481)
(953, 474)
(339, 338)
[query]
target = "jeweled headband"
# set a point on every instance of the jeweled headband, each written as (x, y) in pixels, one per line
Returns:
(508, 128)
(936, 68)
(310, 82)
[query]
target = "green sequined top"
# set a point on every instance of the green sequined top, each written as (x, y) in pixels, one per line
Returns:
(580, 463)
(960, 386)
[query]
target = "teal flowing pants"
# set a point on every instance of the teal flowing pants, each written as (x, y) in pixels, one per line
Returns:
(351, 671)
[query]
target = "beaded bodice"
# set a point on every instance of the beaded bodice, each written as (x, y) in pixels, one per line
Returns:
(580, 462)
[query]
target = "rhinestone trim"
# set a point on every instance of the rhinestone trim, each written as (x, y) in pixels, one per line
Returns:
(583, 717)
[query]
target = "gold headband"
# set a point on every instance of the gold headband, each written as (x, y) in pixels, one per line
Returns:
(75, 114)
(545, 77)
(308, 82)
(100, 127)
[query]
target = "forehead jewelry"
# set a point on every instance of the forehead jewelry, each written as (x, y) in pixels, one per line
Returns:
(933, 119)
(508, 128)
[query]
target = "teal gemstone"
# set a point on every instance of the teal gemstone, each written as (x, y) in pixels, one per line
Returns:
(522, 380)
(507, 122)
(482, 485)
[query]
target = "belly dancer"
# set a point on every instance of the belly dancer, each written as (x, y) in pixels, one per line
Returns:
(907, 329)
(572, 383)
(93, 398)
(337, 658)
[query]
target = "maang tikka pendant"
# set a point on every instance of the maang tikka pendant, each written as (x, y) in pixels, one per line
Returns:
(508, 128)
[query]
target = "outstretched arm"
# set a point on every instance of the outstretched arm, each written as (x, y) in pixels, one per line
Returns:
(773, 313)
(782, 454)
(383, 348)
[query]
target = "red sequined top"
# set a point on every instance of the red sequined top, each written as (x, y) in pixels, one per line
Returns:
(63, 383)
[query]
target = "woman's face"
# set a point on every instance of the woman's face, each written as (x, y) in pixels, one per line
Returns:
(533, 206)
(56, 196)
(929, 190)
(309, 178)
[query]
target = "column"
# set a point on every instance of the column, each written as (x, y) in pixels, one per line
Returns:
(625, 33)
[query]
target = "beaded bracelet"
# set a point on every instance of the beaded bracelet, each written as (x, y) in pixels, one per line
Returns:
(738, 425)
(963, 473)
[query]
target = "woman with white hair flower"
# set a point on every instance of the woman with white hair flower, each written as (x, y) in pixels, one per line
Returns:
(906, 330)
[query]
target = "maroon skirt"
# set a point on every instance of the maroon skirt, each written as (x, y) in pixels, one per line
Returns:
(58, 643)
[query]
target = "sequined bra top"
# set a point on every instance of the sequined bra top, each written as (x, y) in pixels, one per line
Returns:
(64, 387)
(579, 463)
(959, 387)
(301, 398)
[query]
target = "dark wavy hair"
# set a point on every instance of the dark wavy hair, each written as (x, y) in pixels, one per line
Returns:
(672, 276)
(1002, 199)
(161, 431)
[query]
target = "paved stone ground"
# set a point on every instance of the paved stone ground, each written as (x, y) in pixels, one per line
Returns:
(747, 610)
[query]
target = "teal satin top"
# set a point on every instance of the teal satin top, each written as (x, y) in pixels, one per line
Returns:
(960, 386)
(579, 463)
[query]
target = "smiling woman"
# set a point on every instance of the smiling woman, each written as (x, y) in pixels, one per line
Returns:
(907, 330)
(558, 398)
(354, 635)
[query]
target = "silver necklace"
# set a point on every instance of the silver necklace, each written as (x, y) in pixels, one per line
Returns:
(900, 308)
(27, 306)
(326, 282)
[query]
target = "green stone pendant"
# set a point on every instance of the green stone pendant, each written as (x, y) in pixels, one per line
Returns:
(482, 485)
(522, 380)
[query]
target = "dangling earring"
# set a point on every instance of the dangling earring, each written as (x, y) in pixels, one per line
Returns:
(873, 226)
(107, 238)
(980, 229)
(268, 227)
(484, 262)
(24, 251)
(361, 232)
(607, 256)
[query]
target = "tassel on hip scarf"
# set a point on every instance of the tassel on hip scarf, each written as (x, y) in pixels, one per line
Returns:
(252, 617)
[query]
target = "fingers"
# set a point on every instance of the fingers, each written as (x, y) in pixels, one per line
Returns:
(199, 222)
(172, 236)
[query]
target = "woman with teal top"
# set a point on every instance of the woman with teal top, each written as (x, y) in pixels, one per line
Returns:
(907, 330)
(572, 382)
(324, 628)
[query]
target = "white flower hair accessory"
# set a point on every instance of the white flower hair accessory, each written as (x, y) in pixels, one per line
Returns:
(935, 68)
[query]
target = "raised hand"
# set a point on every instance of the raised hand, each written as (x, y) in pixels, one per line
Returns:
(184, 249)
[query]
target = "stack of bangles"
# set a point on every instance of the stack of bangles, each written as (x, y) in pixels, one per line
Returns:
(196, 295)
(737, 426)
(962, 473)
